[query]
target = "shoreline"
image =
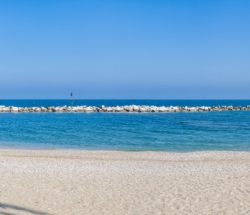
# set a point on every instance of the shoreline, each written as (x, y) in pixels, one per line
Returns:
(127, 155)
(117, 182)
(93, 150)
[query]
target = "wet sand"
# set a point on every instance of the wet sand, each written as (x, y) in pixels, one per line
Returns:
(74, 182)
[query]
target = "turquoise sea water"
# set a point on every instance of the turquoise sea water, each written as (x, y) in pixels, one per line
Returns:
(127, 131)
(99, 102)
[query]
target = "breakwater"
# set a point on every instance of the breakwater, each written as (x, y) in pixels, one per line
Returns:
(126, 108)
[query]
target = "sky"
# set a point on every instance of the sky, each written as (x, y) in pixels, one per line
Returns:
(125, 49)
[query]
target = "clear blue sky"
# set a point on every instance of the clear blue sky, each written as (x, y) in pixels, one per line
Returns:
(169, 49)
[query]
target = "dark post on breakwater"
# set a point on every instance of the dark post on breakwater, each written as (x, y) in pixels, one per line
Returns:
(72, 99)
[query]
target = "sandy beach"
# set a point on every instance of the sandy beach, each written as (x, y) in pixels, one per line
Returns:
(109, 182)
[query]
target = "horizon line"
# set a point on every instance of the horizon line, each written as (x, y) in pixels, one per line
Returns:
(125, 99)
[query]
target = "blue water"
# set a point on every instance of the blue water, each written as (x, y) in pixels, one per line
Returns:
(127, 131)
(62, 102)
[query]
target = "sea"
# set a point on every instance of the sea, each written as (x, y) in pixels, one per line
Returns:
(175, 132)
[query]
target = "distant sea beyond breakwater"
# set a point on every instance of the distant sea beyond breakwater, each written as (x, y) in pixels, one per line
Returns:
(125, 108)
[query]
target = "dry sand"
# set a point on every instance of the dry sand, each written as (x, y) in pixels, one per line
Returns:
(123, 183)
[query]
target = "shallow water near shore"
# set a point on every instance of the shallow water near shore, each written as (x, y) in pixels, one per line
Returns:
(127, 131)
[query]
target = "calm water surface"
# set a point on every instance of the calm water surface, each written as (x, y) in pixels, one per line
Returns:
(61, 102)
(127, 131)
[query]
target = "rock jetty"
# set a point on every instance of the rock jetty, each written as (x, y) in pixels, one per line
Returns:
(127, 108)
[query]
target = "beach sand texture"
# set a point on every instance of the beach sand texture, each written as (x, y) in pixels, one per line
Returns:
(108, 182)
